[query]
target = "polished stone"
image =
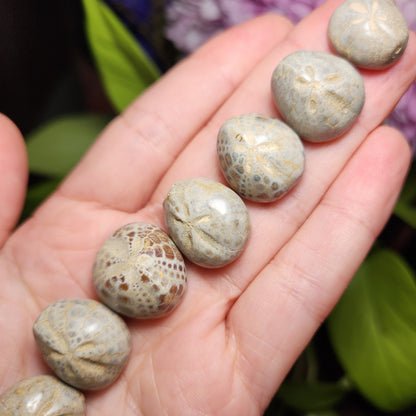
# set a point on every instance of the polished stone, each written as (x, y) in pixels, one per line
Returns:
(319, 95)
(371, 34)
(261, 157)
(42, 396)
(207, 220)
(85, 343)
(139, 272)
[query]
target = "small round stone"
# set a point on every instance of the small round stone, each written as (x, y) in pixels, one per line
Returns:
(83, 342)
(42, 396)
(371, 34)
(208, 221)
(319, 95)
(261, 157)
(139, 272)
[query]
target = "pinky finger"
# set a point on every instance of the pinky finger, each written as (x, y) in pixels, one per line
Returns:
(299, 287)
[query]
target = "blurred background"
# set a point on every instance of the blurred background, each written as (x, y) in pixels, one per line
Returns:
(68, 67)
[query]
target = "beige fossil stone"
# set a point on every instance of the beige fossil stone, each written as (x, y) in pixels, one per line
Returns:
(371, 34)
(139, 272)
(42, 396)
(261, 157)
(207, 220)
(83, 342)
(318, 94)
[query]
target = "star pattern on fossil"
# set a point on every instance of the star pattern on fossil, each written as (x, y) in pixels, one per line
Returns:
(256, 152)
(317, 87)
(368, 15)
(191, 224)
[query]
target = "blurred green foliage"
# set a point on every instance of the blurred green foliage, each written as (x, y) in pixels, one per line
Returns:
(56, 147)
(373, 331)
(123, 65)
(406, 205)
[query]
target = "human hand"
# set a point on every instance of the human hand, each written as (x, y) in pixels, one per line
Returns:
(239, 329)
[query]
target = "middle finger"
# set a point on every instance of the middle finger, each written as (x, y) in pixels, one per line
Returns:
(273, 224)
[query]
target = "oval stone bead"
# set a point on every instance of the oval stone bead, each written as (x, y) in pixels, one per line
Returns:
(83, 342)
(318, 94)
(207, 220)
(371, 34)
(42, 396)
(139, 272)
(262, 158)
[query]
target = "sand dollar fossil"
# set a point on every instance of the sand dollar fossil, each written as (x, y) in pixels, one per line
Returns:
(42, 396)
(207, 220)
(318, 94)
(371, 34)
(139, 272)
(83, 342)
(261, 157)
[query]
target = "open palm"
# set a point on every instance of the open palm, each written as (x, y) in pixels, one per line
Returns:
(229, 344)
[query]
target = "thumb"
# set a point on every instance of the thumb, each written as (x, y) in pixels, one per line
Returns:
(13, 176)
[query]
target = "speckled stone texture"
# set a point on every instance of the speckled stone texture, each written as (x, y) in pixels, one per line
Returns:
(42, 396)
(207, 220)
(262, 158)
(371, 34)
(139, 272)
(85, 343)
(319, 95)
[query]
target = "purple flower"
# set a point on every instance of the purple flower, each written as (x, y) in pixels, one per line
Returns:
(192, 22)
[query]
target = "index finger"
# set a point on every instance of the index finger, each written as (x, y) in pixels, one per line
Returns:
(276, 223)
(126, 163)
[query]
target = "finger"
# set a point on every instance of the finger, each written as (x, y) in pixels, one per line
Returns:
(275, 318)
(273, 224)
(127, 162)
(383, 90)
(13, 176)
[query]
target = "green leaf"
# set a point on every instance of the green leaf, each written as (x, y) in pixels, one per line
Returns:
(405, 207)
(311, 396)
(57, 146)
(124, 67)
(373, 331)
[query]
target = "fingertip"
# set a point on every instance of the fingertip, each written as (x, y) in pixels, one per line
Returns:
(13, 175)
(12, 147)
(8, 127)
(392, 146)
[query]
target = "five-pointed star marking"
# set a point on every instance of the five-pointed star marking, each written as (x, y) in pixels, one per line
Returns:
(372, 16)
(256, 147)
(318, 87)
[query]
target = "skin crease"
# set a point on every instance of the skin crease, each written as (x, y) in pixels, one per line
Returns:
(238, 331)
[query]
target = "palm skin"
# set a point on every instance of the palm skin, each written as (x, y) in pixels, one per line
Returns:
(229, 344)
